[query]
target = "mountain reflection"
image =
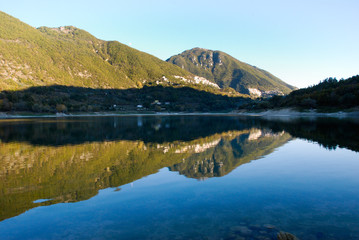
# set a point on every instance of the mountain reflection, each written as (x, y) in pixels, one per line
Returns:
(69, 160)
(222, 155)
(97, 129)
(328, 132)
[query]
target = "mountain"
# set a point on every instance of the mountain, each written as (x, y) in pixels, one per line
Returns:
(226, 71)
(73, 57)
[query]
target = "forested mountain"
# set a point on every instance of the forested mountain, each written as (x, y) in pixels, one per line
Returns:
(73, 57)
(228, 72)
(329, 94)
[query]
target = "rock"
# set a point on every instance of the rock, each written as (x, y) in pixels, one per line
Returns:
(263, 238)
(286, 236)
(269, 226)
(242, 230)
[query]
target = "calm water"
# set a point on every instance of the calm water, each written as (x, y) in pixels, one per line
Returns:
(178, 177)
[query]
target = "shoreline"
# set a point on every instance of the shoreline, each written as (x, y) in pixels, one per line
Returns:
(281, 113)
(290, 113)
(109, 114)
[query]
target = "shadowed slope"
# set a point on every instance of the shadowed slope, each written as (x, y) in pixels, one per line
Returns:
(80, 99)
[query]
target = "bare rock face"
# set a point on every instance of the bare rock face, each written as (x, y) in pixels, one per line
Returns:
(286, 236)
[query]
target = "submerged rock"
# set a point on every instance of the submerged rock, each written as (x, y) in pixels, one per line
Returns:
(286, 236)
(242, 230)
(269, 226)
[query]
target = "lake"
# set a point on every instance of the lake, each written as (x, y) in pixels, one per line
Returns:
(178, 177)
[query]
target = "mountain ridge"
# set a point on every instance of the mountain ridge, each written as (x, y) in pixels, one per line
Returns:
(229, 72)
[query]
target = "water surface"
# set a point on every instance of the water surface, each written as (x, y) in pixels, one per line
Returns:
(178, 177)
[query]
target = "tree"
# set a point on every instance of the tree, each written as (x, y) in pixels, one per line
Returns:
(61, 108)
(5, 105)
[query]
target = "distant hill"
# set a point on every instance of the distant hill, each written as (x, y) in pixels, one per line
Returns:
(227, 71)
(330, 94)
(73, 57)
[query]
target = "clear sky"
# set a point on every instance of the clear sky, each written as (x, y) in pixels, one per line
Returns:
(299, 41)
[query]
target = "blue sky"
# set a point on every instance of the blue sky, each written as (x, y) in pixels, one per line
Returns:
(301, 42)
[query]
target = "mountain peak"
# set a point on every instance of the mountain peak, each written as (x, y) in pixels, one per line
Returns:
(199, 49)
(63, 29)
(227, 71)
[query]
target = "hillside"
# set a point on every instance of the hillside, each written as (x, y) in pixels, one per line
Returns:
(52, 99)
(227, 71)
(73, 57)
(330, 94)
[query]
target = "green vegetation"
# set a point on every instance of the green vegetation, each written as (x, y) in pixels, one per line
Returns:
(228, 72)
(54, 99)
(66, 69)
(72, 57)
(328, 95)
